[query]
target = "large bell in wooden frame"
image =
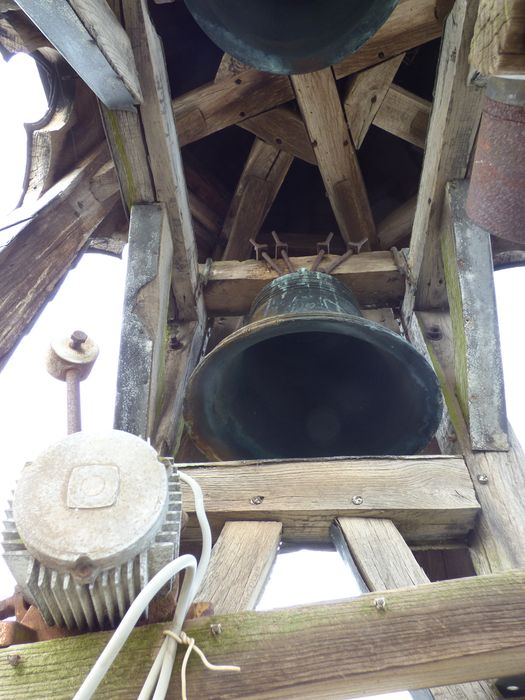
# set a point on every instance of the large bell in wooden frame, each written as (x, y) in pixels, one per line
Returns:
(308, 376)
(290, 36)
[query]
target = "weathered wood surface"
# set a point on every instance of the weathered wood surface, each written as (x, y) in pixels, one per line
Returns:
(397, 225)
(467, 258)
(373, 277)
(498, 543)
(89, 36)
(498, 44)
(240, 564)
(365, 94)
(423, 637)
(282, 127)
(428, 498)
(323, 115)
(231, 100)
(260, 181)
(405, 115)
(144, 320)
(455, 116)
(164, 155)
(38, 257)
(385, 561)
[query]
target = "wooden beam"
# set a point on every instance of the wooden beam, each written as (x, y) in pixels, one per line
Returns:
(455, 116)
(385, 561)
(467, 258)
(498, 543)
(373, 277)
(365, 94)
(293, 493)
(397, 225)
(229, 101)
(55, 230)
(164, 155)
(282, 127)
(423, 637)
(89, 36)
(323, 115)
(498, 44)
(240, 564)
(143, 334)
(260, 181)
(405, 115)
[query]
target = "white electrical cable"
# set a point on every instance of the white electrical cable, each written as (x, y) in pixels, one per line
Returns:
(160, 674)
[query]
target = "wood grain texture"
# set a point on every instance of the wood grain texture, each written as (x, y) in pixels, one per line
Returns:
(373, 277)
(455, 117)
(405, 115)
(164, 155)
(397, 225)
(283, 128)
(319, 102)
(365, 94)
(240, 564)
(428, 498)
(260, 182)
(322, 652)
(498, 44)
(39, 256)
(385, 561)
(498, 542)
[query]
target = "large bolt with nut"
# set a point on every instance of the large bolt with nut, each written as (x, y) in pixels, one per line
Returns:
(71, 360)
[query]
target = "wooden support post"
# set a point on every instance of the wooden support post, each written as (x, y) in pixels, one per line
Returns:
(384, 561)
(53, 232)
(231, 286)
(498, 44)
(405, 115)
(258, 186)
(293, 494)
(323, 115)
(467, 259)
(422, 636)
(143, 335)
(365, 94)
(240, 564)
(89, 36)
(498, 543)
(455, 116)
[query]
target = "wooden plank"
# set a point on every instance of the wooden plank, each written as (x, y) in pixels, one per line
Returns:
(293, 494)
(323, 115)
(405, 115)
(498, 543)
(240, 565)
(164, 156)
(346, 649)
(373, 277)
(282, 127)
(143, 334)
(229, 101)
(365, 94)
(92, 41)
(498, 44)
(385, 561)
(467, 258)
(397, 225)
(455, 116)
(43, 248)
(260, 181)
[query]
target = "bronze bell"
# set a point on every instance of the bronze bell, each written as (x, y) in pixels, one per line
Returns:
(287, 36)
(308, 376)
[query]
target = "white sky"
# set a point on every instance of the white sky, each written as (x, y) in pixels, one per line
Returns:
(32, 404)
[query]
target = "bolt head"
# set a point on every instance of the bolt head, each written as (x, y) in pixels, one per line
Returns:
(78, 338)
(357, 500)
(256, 500)
(14, 659)
(483, 478)
(380, 603)
(216, 629)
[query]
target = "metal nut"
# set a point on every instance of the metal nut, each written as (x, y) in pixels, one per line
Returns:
(483, 479)
(256, 500)
(357, 500)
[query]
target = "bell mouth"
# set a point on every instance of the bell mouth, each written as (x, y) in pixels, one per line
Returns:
(290, 37)
(312, 385)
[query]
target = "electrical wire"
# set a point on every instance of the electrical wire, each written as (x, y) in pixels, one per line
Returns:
(160, 674)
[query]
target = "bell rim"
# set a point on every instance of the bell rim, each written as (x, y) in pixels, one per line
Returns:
(256, 329)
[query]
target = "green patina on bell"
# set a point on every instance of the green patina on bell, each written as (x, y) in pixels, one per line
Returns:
(308, 376)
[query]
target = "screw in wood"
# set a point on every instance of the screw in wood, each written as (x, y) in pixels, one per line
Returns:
(483, 479)
(14, 659)
(256, 500)
(216, 629)
(380, 603)
(357, 500)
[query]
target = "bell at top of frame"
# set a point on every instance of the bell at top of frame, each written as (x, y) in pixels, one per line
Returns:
(290, 36)
(308, 376)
